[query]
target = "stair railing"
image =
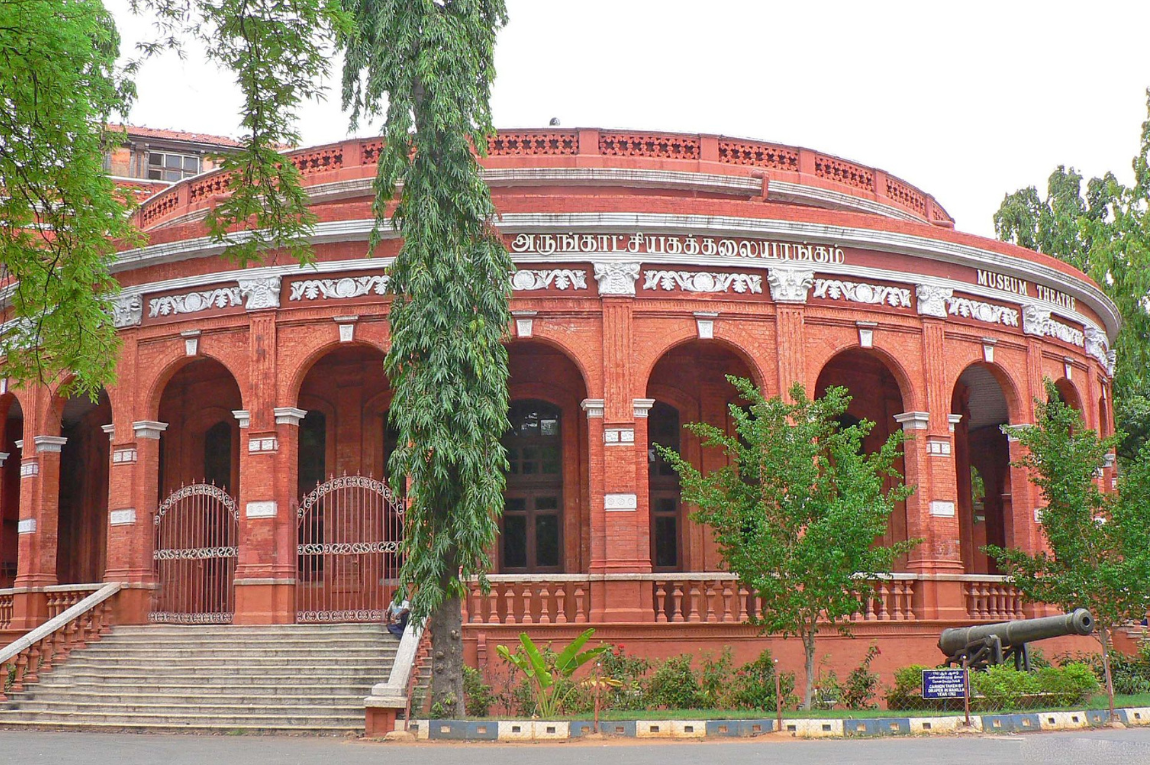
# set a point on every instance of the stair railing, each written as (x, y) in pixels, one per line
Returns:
(23, 661)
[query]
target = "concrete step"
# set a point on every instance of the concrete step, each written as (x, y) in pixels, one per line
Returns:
(142, 727)
(234, 630)
(223, 709)
(313, 720)
(267, 696)
(210, 661)
(334, 676)
(290, 653)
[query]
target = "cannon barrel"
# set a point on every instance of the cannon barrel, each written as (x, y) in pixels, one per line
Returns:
(1078, 622)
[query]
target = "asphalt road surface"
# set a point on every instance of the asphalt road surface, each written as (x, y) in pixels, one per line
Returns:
(1128, 747)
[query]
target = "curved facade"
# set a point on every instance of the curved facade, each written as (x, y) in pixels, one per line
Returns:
(649, 265)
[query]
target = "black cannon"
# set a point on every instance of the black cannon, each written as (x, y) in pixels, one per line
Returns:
(995, 643)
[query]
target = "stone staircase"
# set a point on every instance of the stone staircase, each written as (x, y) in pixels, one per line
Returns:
(219, 678)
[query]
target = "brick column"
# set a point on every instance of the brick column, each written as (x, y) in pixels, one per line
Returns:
(264, 593)
(789, 288)
(39, 515)
(615, 530)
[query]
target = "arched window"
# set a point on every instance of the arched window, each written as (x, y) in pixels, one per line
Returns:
(532, 527)
(218, 455)
(663, 488)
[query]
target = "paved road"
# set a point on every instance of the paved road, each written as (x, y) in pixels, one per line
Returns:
(1085, 748)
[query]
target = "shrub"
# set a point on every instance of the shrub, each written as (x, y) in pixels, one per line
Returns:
(906, 693)
(1004, 687)
(715, 681)
(753, 685)
(859, 689)
(477, 695)
(630, 671)
(675, 685)
(1130, 674)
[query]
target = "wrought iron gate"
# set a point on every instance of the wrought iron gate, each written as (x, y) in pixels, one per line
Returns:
(196, 537)
(350, 531)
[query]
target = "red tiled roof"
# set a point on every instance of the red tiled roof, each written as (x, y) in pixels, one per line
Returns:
(175, 135)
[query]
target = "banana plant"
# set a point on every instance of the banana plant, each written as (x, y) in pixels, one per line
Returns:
(543, 669)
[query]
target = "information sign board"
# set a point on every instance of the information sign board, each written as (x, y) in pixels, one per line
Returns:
(943, 684)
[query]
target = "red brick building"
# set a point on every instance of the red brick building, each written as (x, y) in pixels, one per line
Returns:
(649, 265)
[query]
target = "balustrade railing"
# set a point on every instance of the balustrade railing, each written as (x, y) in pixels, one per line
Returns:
(23, 661)
(992, 600)
(530, 599)
(7, 598)
(64, 596)
(705, 598)
(893, 600)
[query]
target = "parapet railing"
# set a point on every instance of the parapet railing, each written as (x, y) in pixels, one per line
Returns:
(24, 660)
(794, 162)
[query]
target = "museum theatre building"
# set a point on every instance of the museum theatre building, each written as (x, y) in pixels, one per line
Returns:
(233, 472)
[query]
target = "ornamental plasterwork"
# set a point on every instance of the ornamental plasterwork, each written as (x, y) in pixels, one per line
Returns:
(339, 289)
(261, 292)
(127, 310)
(559, 278)
(1037, 321)
(616, 278)
(861, 292)
(1097, 345)
(194, 302)
(988, 312)
(790, 285)
(932, 300)
(703, 281)
(1111, 362)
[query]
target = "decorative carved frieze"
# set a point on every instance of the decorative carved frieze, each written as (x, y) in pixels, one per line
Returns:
(194, 302)
(932, 300)
(988, 312)
(703, 281)
(339, 289)
(616, 278)
(861, 292)
(1098, 347)
(560, 278)
(1037, 321)
(790, 285)
(261, 293)
(127, 310)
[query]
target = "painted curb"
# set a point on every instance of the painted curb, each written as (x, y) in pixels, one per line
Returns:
(871, 727)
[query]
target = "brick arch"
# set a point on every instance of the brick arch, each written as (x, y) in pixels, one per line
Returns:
(728, 335)
(541, 334)
(314, 348)
(171, 363)
(56, 400)
(1006, 383)
(1071, 395)
(906, 387)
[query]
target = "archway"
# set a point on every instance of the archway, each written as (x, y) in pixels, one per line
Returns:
(542, 529)
(81, 555)
(202, 439)
(688, 384)
(349, 523)
(982, 465)
(12, 420)
(875, 396)
(1068, 395)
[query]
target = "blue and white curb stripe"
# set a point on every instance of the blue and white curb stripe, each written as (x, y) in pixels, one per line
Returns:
(561, 730)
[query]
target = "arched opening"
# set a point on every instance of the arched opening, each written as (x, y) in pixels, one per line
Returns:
(350, 523)
(877, 397)
(202, 440)
(982, 465)
(542, 529)
(81, 555)
(13, 422)
(346, 395)
(1068, 395)
(688, 384)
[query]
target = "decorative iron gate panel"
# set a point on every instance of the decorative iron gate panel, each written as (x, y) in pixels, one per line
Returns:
(195, 554)
(350, 531)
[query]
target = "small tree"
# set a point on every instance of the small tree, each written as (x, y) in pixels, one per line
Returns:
(1098, 557)
(797, 511)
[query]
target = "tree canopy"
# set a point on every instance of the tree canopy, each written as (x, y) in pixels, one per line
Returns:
(1103, 230)
(797, 511)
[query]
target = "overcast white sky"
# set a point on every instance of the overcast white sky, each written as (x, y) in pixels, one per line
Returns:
(966, 100)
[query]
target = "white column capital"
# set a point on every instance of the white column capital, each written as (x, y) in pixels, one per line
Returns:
(289, 415)
(49, 444)
(913, 420)
(642, 406)
(593, 407)
(110, 430)
(149, 429)
(243, 417)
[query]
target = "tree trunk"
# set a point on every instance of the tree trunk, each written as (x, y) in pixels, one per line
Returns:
(809, 648)
(1105, 638)
(447, 660)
